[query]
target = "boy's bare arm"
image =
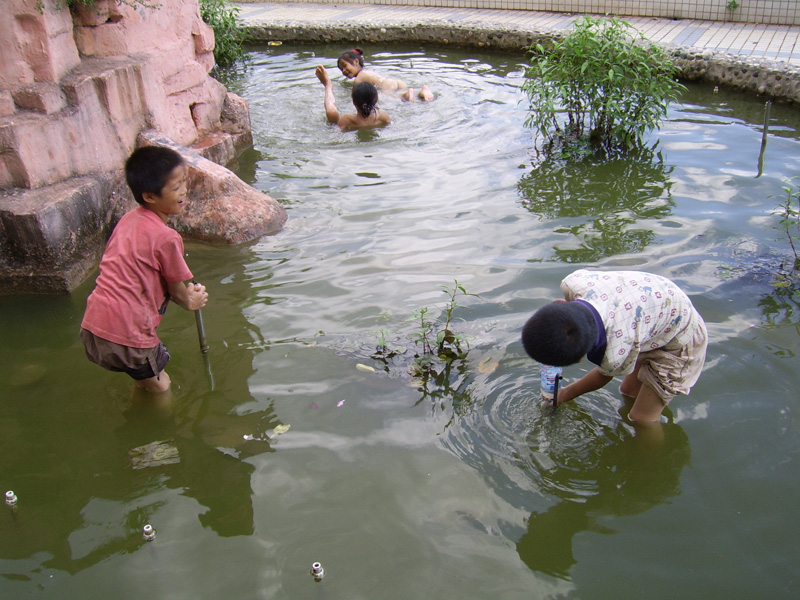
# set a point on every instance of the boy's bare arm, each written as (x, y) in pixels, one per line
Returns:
(192, 296)
(590, 382)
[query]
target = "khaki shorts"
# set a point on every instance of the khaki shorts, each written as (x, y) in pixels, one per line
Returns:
(139, 363)
(673, 372)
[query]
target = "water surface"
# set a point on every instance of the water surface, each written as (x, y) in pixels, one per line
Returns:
(461, 486)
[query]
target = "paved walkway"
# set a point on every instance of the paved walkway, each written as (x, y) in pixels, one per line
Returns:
(779, 43)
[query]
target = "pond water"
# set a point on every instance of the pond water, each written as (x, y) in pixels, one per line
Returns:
(459, 486)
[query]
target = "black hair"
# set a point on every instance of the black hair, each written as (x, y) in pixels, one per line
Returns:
(365, 97)
(355, 55)
(148, 168)
(559, 333)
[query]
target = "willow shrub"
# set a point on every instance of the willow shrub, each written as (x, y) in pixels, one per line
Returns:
(603, 82)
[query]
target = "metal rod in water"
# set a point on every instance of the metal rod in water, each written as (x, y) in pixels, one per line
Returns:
(555, 391)
(764, 133)
(201, 330)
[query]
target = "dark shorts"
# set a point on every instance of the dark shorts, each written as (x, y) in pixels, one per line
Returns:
(139, 363)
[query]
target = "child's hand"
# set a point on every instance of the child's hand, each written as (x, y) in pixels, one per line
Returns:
(322, 75)
(198, 297)
(564, 395)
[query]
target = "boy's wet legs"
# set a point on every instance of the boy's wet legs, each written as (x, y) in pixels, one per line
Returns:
(630, 384)
(647, 405)
(155, 385)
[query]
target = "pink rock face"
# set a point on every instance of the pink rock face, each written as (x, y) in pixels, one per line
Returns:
(143, 67)
(37, 46)
(78, 86)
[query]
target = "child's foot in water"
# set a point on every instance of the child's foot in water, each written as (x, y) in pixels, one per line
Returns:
(424, 94)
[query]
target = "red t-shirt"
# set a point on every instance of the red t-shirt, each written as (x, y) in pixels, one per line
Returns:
(142, 255)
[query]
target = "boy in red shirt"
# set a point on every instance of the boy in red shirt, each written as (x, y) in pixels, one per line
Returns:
(142, 269)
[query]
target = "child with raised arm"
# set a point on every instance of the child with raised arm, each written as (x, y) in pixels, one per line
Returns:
(351, 64)
(365, 99)
(628, 323)
(142, 269)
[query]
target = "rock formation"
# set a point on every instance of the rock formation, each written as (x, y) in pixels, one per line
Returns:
(80, 88)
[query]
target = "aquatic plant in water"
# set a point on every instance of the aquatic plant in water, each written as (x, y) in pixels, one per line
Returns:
(603, 84)
(789, 212)
(437, 343)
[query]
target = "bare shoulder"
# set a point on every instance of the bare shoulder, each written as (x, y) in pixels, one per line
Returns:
(348, 122)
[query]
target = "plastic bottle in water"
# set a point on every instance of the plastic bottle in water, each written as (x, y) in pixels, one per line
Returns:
(549, 379)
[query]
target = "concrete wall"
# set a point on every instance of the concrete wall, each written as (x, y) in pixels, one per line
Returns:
(777, 12)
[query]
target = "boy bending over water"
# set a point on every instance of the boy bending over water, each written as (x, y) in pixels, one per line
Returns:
(638, 325)
(142, 269)
(351, 64)
(365, 99)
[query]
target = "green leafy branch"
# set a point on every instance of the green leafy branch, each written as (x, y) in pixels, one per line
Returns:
(229, 37)
(603, 83)
(789, 213)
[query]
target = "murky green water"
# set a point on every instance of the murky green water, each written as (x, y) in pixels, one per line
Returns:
(462, 487)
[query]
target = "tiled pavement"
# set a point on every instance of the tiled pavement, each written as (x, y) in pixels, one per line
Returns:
(780, 43)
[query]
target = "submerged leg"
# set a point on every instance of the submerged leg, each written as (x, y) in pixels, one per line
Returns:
(155, 385)
(425, 94)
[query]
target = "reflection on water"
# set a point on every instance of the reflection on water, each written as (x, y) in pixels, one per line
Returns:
(616, 474)
(461, 485)
(603, 201)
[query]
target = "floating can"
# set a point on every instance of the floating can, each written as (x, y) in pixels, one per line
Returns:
(549, 380)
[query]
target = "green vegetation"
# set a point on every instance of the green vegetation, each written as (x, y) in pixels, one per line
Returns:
(434, 336)
(789, 212)
(732, 5)
(438, 345)
(229, 39)
(602, 84)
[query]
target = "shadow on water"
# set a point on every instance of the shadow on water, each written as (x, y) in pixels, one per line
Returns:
(80, 500)
(604, 201)
(616, 474)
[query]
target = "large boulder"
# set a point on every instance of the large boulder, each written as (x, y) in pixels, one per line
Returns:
(222, 208)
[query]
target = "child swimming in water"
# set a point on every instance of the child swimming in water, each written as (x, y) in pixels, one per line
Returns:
(365, 99)
(351, 64)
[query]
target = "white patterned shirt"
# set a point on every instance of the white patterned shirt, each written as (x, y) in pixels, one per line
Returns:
(641, 312)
